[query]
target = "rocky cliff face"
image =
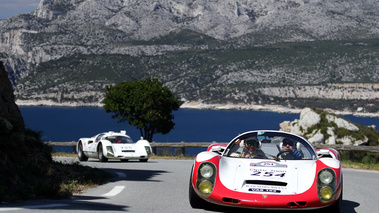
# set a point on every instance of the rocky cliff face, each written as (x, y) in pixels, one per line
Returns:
(202, 50)
(10, 115)
(320, 127)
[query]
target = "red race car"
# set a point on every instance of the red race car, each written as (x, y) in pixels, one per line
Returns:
(267, 170)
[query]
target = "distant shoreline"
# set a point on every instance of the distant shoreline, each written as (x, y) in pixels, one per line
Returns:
(201, 106)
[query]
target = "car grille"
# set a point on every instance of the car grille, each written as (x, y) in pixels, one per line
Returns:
(128, 150)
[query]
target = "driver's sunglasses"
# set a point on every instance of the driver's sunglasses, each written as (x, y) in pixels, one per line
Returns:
(252, 143)
(287, 143)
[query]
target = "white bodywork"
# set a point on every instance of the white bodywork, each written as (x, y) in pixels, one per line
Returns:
(113, 145)
(298, 175)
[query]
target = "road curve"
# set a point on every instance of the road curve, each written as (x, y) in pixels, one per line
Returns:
(162, 186)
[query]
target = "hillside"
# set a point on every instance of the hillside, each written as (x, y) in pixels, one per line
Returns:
(26, 166)
(294, 53)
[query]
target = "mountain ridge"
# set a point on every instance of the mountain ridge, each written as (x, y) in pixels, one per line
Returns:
(249, 52)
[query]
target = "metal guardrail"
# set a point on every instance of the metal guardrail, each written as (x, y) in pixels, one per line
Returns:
(183, 145)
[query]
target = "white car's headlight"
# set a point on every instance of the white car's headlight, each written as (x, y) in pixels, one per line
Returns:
(206, 171)
(326, 193)
(206, 187)
(326, 177)
(326, 185)
(206, 177)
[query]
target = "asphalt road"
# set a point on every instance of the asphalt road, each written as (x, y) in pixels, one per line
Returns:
(162, 186)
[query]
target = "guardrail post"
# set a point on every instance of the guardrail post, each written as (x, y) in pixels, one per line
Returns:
(152, 144)
(74, 148)
(183, 148)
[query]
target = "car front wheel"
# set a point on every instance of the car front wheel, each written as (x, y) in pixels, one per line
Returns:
(194, 199)
(81, 155)
(102, 158)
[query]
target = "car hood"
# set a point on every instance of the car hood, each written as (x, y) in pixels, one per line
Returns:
(267, 176)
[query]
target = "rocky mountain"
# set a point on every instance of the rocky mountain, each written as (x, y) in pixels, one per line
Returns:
(215, 51)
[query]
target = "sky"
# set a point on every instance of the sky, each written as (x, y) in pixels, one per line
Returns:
(9, 8)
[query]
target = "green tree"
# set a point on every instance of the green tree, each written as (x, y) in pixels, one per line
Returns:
(145, 104)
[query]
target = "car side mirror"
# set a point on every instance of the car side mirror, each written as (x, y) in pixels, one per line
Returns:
(218, 149)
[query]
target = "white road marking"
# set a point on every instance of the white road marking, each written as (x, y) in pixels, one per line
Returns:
(121, 174)
(114, 191)
(32, 207)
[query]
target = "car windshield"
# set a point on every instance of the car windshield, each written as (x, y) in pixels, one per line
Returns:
(270, 145)
(118, 139)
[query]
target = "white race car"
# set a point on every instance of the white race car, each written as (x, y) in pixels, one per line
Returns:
(113, 145)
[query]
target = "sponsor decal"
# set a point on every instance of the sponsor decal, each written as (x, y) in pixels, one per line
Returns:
(268, 164)
(260, 133)
(264, 196)
(126, 147)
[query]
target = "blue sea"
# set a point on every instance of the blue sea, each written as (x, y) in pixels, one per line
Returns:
(66, 124)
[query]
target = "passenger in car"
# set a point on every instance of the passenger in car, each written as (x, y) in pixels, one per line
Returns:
(252, 149)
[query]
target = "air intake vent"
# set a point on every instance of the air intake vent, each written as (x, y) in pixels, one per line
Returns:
(263, 182)
(297, 204)
(230, 200)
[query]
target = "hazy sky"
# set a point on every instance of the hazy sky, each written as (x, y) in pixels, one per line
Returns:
(9, 8)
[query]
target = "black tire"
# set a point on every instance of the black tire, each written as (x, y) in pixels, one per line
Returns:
(100, 153)
(81, 155)
(143, 160)
(335, 207)
(194, 199)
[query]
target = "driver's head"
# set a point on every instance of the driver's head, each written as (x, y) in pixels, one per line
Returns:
(252, 143)
(287, 144)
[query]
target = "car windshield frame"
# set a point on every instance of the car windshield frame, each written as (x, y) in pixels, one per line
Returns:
(270, 146)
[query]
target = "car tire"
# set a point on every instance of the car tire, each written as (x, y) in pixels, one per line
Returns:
(195, 200)
(81, 155)
(336, 207)
(100, 153)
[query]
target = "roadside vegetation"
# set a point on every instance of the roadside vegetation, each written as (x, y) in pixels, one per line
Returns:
(28, 171)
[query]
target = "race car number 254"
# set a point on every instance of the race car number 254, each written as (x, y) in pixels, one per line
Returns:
(271, 173)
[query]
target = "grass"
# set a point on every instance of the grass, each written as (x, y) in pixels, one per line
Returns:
(363, 166)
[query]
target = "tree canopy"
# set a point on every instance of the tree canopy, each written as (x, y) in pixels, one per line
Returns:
(145, 104)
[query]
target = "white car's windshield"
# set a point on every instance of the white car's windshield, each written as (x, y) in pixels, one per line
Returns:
(270, 145)
(118, 139)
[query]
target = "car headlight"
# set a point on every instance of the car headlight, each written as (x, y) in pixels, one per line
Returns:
(326, 193)
(326, 177)
(326, 185)
(205, 187)
(206, 176)
(148, 150)
(110, 151)
(206, 171)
